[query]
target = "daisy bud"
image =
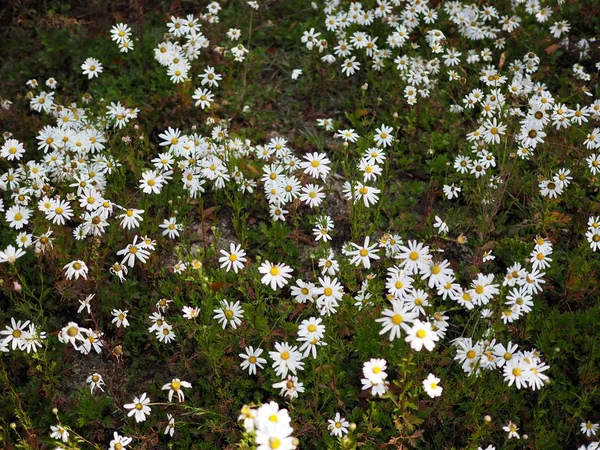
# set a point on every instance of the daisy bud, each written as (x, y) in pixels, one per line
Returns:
(462, 239)
(487, 418)
(16, 286)
(352, 426)
(55, 411)
(13, 425)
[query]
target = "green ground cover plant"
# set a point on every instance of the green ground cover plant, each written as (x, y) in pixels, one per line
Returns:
(288, 224)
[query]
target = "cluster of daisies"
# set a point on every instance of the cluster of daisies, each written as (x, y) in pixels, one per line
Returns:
(348, 26)
(75, 156)
(270, 426)
(184, 43)
(391, 31)
(593, 232)
(139, 409)
(121, 34)
(392, 27)
(498, 106)
(61, 433)
(23, 336)
(521, 368)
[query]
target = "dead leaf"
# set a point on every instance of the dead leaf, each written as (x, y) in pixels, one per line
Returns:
(271, 51)
(216, 286)
(175, 4)
(502, 60)
(209, 213)
(253, 169)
